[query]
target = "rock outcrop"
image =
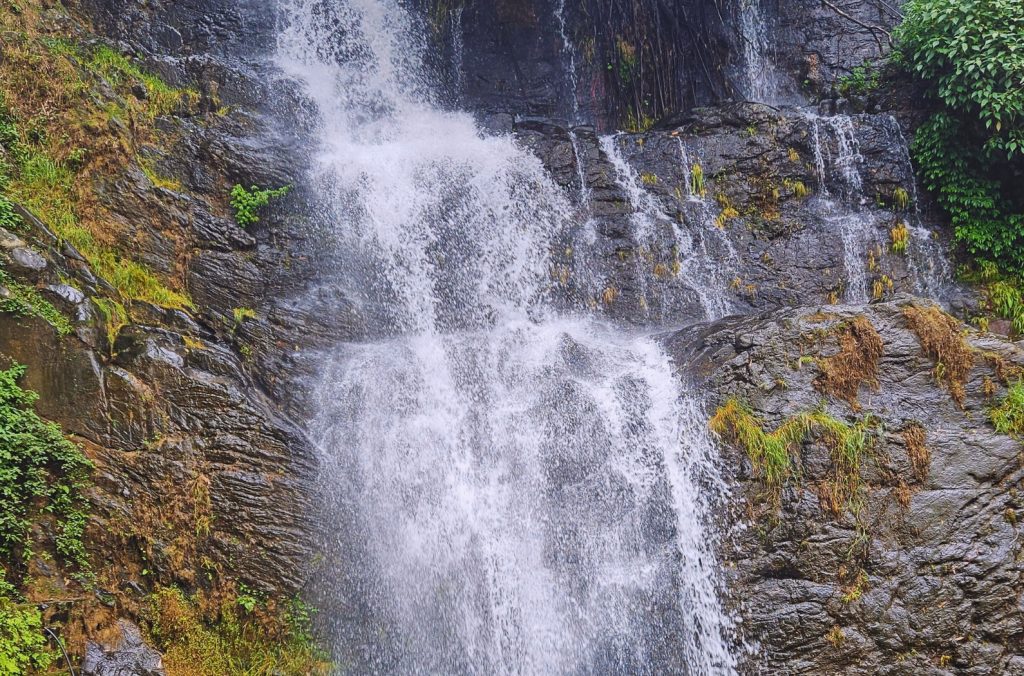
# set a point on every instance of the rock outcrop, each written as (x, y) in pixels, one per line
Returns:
(920, 572)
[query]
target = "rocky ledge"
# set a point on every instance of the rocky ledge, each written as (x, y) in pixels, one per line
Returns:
(889, 540)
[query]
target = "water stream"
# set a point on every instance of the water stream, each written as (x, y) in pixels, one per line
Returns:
(506, 488)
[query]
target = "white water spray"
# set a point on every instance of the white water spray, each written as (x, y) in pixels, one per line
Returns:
(515, 491)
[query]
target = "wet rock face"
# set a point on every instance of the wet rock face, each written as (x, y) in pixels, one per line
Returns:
(130, 657)
(738, 208)
(926, 579)
(816, 43)
(511, 59)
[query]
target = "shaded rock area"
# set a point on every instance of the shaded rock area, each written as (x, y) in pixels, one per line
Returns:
(927, 576)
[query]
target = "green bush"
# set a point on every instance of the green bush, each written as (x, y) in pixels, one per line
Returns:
(247, 203)
(40, 471)
(971, 151)
(22, 644)
(862, 80)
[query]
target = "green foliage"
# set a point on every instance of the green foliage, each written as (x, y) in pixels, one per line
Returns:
(40, 471)
(9, 218)
(1008, 416)
(862, 80)
(247, 203)
(279, 644)
(971, 151)
(23, 647)
(1006, 299)
(26, 301)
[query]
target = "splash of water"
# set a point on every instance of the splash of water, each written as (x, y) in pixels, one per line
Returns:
(507, 490)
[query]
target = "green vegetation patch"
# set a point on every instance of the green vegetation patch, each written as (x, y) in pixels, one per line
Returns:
(26, 301)
(40, 472)
(70, 111)
(970, 53)
(771, 453)
(120, 71)
(1008, 416)
(247, 636)
(247, 203)
(23, 647)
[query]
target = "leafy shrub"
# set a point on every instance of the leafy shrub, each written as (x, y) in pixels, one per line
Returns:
(40, 471)
(22, 644)
(971, 151)
(862, 80)
(9, 218)
(247, 203)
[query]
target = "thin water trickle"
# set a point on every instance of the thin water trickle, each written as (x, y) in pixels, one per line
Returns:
(648, 219)
(514, 491)
(761, 78)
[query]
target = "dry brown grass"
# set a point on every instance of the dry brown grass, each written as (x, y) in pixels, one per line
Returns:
(920, 457)
(941, 339)
(856, 364)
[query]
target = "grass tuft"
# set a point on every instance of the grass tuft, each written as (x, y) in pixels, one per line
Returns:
(856, 364)
(1008, 416)
(941, 339)
(771, 453)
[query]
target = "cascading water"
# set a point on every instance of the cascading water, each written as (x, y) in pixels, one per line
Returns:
(506, 489)
(569, 51)
(648, 217)
(844, 212)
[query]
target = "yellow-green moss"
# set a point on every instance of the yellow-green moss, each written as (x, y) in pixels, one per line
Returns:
(246, 636)
(771, 453)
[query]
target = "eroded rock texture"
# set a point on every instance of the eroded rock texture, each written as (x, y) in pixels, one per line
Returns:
(926, 578)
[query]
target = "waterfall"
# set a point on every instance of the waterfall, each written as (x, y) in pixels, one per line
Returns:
(761, 79)
(506, 488)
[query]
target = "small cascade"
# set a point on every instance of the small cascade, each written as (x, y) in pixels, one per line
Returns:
(761, 79)
(845, 166)
(843, 216)
(569, 53)
(691, 263)
(703, 208)
(930, 265)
